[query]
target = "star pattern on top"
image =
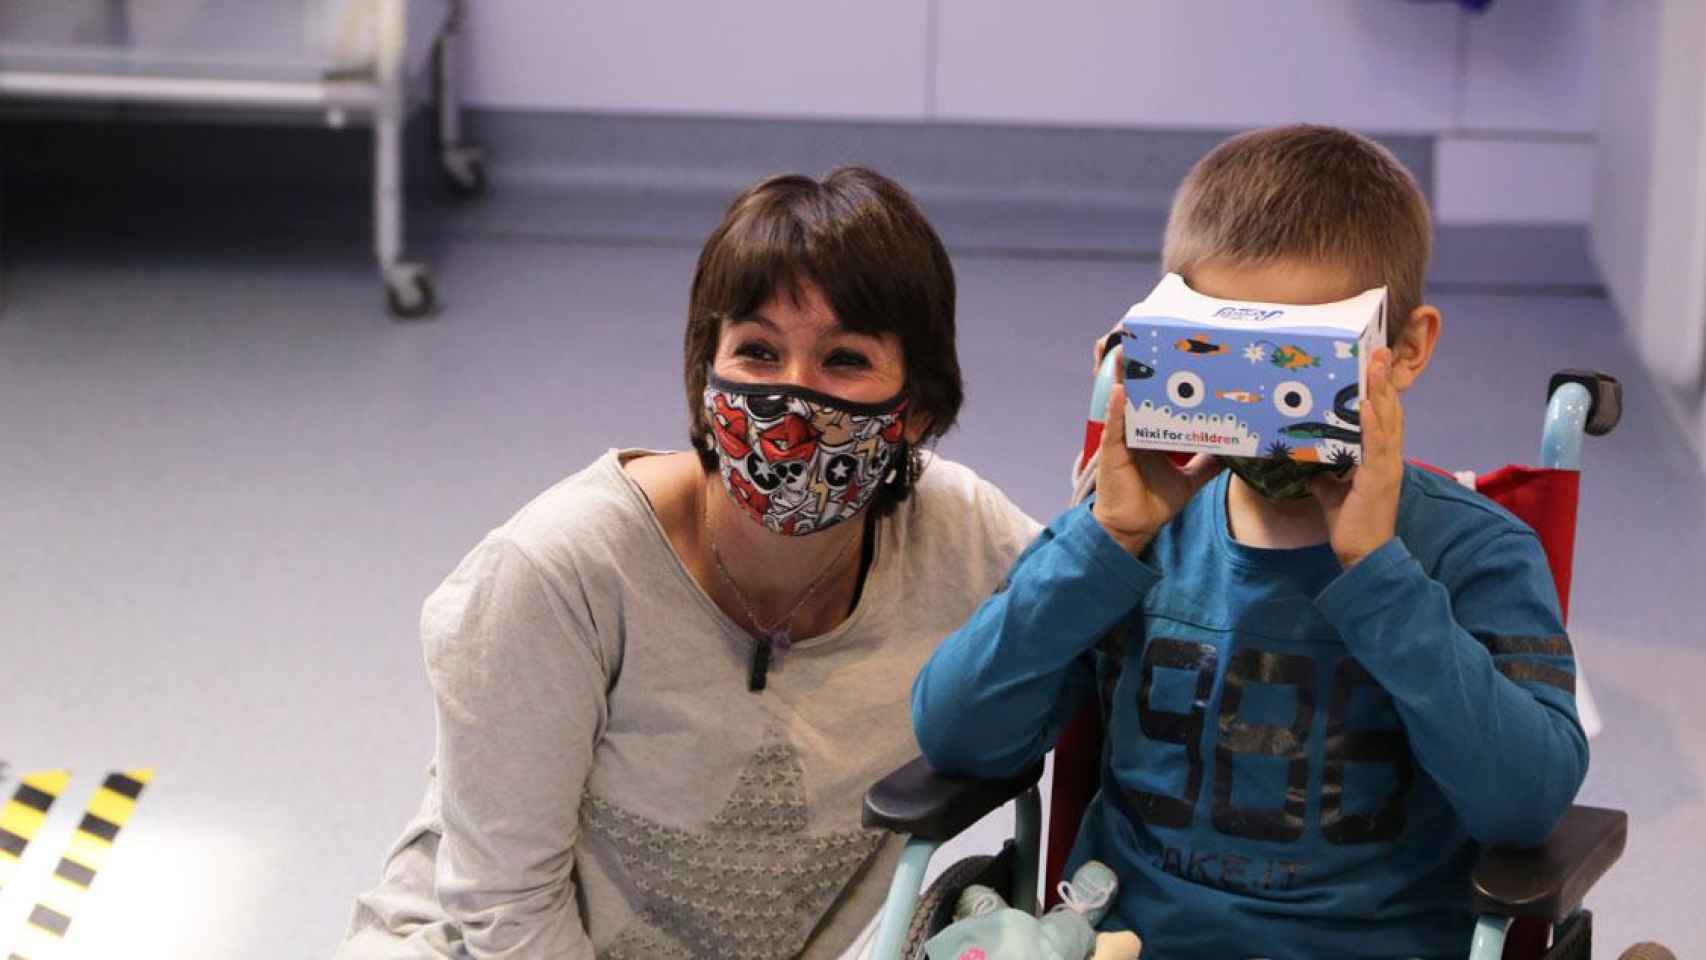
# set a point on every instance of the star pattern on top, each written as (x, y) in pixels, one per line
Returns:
(752, 885)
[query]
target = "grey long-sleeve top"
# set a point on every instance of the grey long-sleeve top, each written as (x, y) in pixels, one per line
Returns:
(604, 783)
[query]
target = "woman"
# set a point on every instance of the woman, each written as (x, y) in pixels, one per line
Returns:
(664, 685)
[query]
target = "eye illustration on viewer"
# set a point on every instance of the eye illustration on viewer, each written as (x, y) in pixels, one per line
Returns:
(1293, 399)
(1185, 388)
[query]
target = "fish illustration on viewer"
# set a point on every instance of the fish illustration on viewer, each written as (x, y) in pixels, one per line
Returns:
(1138, 370)
(1293, 358)
(1238, 396)
(1200, 346)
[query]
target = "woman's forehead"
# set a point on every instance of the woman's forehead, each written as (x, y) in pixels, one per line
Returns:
(799, 303)
(780, 316)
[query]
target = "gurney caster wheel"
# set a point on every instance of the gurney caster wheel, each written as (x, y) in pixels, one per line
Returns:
(409, 291)
(464, 170)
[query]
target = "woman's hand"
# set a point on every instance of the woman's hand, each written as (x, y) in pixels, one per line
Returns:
(1138, 491)
(1362, 512)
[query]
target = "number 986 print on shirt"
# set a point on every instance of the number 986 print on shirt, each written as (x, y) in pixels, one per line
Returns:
(1283, 818)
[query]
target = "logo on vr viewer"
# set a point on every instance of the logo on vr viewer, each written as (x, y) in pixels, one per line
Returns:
(1159, 427)
(1246, 313)
(1177, 436)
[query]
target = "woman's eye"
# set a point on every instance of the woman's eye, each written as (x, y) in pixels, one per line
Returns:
(847, 358)
(755, 351)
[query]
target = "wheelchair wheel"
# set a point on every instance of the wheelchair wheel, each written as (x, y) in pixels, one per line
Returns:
(936, 907)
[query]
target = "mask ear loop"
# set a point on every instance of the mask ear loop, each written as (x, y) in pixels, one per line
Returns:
(906, 467)
(902, 458)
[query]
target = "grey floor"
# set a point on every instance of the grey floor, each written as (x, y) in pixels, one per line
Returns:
(227, 481)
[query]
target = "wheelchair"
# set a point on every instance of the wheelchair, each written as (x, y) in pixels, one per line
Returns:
(1528, 903)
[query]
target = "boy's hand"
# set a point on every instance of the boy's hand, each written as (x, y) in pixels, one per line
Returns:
(1100, 347)
(1138, 491)
(1362, 510)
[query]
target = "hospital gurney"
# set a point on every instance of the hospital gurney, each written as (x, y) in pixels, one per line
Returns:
(332, 60)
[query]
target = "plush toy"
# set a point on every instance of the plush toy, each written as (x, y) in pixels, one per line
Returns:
(986, 928)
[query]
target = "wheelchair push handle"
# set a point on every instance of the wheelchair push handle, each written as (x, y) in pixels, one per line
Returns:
(1106, 376)
(1605, 397)
(1578, 403)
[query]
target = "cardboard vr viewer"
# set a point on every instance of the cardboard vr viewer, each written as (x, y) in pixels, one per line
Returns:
(1205, 375)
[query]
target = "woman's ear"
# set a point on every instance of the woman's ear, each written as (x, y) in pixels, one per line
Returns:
(1415, 348)
(917, 425)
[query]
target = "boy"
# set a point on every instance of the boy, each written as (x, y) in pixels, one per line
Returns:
(1323, 693)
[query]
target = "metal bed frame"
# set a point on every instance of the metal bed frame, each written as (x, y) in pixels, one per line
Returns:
(399, 39)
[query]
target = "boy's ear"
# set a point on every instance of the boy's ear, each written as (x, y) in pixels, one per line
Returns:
(1410, 355)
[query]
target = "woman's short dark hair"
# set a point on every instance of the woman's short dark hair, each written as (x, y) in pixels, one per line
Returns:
(860, 239)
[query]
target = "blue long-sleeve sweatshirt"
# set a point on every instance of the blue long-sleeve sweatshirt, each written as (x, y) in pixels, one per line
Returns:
(1302, 761)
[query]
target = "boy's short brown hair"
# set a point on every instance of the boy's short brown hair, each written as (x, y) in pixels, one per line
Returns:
(1319, 194)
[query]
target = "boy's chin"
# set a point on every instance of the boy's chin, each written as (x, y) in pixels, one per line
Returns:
(1278, 479)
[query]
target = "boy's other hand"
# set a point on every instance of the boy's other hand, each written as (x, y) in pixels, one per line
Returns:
(1138, 491)
(1362, 510)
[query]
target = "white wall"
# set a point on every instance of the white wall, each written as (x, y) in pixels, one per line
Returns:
(1513, 179)
(1649, 231)
(793, 58)
(1521, 144)
(1516, 84)
(1209, 63)
(1531, 65)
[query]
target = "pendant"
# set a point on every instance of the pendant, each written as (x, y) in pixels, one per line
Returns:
(773, 643)
(760, 668)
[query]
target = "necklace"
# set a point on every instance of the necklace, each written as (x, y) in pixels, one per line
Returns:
(775, 638)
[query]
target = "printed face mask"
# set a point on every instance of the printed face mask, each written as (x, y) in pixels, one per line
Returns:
(799, 461)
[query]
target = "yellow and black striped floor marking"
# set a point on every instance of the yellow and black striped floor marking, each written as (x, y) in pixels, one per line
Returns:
(91, 844)
(24, 814)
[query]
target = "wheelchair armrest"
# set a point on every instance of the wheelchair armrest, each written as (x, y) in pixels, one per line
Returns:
(917, 800)
(1550, 881)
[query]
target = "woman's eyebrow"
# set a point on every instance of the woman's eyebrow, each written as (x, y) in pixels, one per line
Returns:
(839, 329)
(763, 321)
(771, 325)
